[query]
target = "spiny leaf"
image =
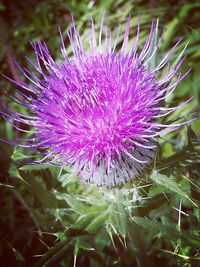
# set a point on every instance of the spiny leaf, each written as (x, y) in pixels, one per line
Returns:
(13, 171)
(118, 216)
(85, 219)
(18, 155)
(72, 201)
(67, 179)
(169, 232)
(98, 222)
(46, 198)
(170, 184)
(57, 251)
(49, 259)
(35, 167)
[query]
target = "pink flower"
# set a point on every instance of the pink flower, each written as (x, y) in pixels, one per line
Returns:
(99, 109)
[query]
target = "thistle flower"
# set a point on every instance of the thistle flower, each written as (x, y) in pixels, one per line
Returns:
(98, 110)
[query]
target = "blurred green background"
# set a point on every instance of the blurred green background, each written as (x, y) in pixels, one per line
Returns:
(41, 207)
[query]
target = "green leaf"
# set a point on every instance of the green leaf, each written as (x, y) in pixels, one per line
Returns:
(18, 154)
(73, 201)
(67, 179)
(46, 198)
(170, 184)
(85, 219)
(9, 131)
(118, 215)
(169, 232)
(13, 171)
(35, 167)
(98, 222)
(176, 22)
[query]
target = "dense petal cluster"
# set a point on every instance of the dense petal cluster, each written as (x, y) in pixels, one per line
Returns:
(98, 110)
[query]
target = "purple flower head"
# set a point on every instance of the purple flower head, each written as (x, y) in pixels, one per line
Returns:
(98, 110)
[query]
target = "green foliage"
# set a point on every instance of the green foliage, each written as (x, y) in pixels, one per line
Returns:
(51, 218)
